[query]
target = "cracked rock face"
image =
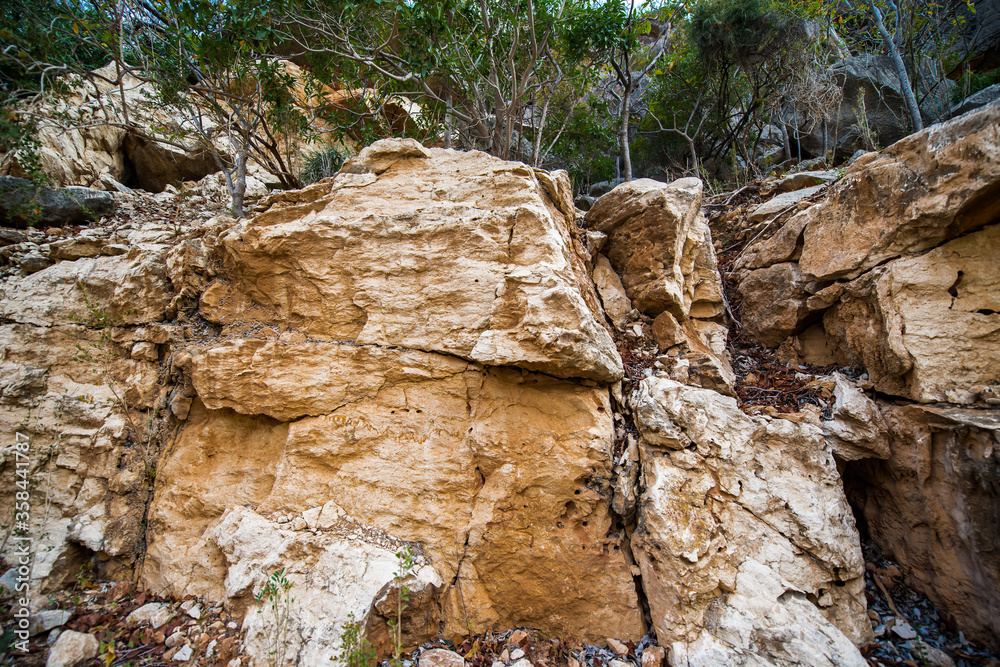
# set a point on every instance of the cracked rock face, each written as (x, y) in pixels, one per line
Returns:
(935, 506)
(414, 343)
(659, 242)
(458, 253)
(745, 539)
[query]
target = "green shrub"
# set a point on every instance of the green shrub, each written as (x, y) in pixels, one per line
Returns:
(320, 164)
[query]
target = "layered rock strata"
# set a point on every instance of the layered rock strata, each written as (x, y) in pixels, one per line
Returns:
(894, 272)
(413, 355)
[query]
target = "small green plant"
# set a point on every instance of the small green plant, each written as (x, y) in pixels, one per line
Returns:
(320, 164)
(276, 595)
(356, 651)
(406, 560)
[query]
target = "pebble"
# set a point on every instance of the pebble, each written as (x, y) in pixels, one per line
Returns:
(184, 654)
(904, 630)
(516, 654)
(617, 646)
(175, 639)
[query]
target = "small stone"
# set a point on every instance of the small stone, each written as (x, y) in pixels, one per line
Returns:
(44, 621)
(232, 625)
(72, 648)
(175, 639)
(194, 612)
(517, 654)
(619, 663)
(904, 630)
(653, 656)
(440, 657)
(114, 249)
(505, 656)
(523, 662)
(145, 351)
(184, 654)
(617, 646)
(33, 262)
(517, 637)
(873, 615)
(154, 613)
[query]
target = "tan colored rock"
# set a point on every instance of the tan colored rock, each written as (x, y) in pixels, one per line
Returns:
(58, 391)
(773, 303)
(667, 332)
(804, 179)
(659, 243)
(439, 657)
(480, 261)
(920, 192)
(736, 513)
(932, 506)
(609, 286)
(486, 469)
(784, 246)
(128, 289)
(856, 428)
(72, 648)
(926, 327)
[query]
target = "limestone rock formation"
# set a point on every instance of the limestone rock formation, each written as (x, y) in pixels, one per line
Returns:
(744, 521)
(933, 505)
(891, 277)
(894, 273)
(395, 300)
(484, 265)
(660, 244)
(657, 243)
(413, 355)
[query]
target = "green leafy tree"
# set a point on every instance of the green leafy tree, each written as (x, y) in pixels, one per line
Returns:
(489, 70)
(608, 32)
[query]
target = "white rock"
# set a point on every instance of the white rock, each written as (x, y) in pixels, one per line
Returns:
(72, 648)
(44, 621)
(439, 657)
(184, 654)
(154, 613)
(904, 630)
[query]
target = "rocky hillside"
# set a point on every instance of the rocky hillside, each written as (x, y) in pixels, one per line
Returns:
(430, 399)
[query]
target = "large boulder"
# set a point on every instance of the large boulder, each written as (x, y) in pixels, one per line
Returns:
(24, 203)
(660, 244)
(410, 353)
(926, 327)
(745, 539)
(482, 261)
(943, 183)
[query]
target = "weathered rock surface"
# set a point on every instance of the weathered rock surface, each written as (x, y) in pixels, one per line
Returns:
(744, 531)
(926, 327)
(484, 266)
(659, 243)
(943, 180)
(22, 202)
(935, 506)
(71, 649)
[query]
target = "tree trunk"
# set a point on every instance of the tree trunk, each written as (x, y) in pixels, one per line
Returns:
(897, 61)
(623, 133)
(240, 184)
